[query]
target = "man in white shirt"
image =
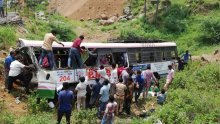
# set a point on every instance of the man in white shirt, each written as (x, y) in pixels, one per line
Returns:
(15, 73)
(113, 79)
(81, 93)
(102, 73)
(170, 77)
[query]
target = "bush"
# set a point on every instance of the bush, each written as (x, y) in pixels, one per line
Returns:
(41, 118)
(34, 107)
(84, 117)
(173, 18)
(7, 36)
(6, 118)
(189, 99)
(64, 31)
(211, 31)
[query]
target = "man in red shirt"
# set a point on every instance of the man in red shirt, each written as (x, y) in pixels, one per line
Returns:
(75, 53)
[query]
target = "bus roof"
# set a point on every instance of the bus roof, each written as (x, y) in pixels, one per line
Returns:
(38, 43)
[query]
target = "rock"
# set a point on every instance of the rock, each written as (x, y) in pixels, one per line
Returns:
(89, 19)
(130, 17)
(105, 22)
(104, 17)
(127, 10)
(81, 19)
(123, 19)
(113, 19)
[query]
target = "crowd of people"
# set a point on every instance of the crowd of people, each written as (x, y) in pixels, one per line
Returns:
(112, 95)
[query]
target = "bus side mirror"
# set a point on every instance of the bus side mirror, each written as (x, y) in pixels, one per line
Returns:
(48, 76)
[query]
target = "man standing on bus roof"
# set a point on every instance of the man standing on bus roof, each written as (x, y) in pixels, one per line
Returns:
(75, 52)
(47, 50)
(186, 56)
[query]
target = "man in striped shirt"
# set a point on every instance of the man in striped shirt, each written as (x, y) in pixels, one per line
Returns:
(47, 50)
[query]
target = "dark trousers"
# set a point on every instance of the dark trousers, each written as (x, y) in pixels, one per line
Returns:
(25, 82)
(138, 93)
(6, 78)
(74, 59)
(128, 105)
(60, 115)
(2, 13)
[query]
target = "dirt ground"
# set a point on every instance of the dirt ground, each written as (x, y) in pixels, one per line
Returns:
(9, 100)
(88, 9)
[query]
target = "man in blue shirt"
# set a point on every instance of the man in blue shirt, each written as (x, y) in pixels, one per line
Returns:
(103, 97)
(65, 99)
(186, 57)
(2, 13)
(95, 92)
(139, 85)
(8, 60)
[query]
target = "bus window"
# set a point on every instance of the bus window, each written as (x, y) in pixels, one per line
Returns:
(105, 59)
(148, 56)
(168, 55)
(121, 58)
(138, 57)
(61, 57)
(158, 56)
(92, 59)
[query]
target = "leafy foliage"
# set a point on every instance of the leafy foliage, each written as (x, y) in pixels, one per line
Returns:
(34, 107)
(211, 31)
(7, 35)
(41, 118)
(189, 100)
(84, 116)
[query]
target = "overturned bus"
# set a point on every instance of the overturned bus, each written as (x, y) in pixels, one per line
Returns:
(139, 55)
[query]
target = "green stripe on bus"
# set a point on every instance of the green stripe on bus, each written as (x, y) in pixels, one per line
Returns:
(46, 93)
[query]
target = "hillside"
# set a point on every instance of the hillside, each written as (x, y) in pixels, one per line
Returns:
(88, 9)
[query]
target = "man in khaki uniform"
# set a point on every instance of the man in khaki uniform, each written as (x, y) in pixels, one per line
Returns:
(47, 50)
(120, 95)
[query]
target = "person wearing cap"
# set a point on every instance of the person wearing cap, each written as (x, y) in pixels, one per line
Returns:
(47, 50)
(65, 98)
(75, 53)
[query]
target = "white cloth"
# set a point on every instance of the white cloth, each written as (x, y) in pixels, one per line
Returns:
(15, 68)
(81, 89)
(114, 76)
(103, 75)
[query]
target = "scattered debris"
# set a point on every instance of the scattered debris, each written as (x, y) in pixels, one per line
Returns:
(17, 101)
(11, 18)
(40, 15)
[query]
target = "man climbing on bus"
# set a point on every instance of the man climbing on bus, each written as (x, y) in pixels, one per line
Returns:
(75, 53)
(47, 50)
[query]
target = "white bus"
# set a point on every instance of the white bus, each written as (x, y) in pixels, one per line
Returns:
(139, 55)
